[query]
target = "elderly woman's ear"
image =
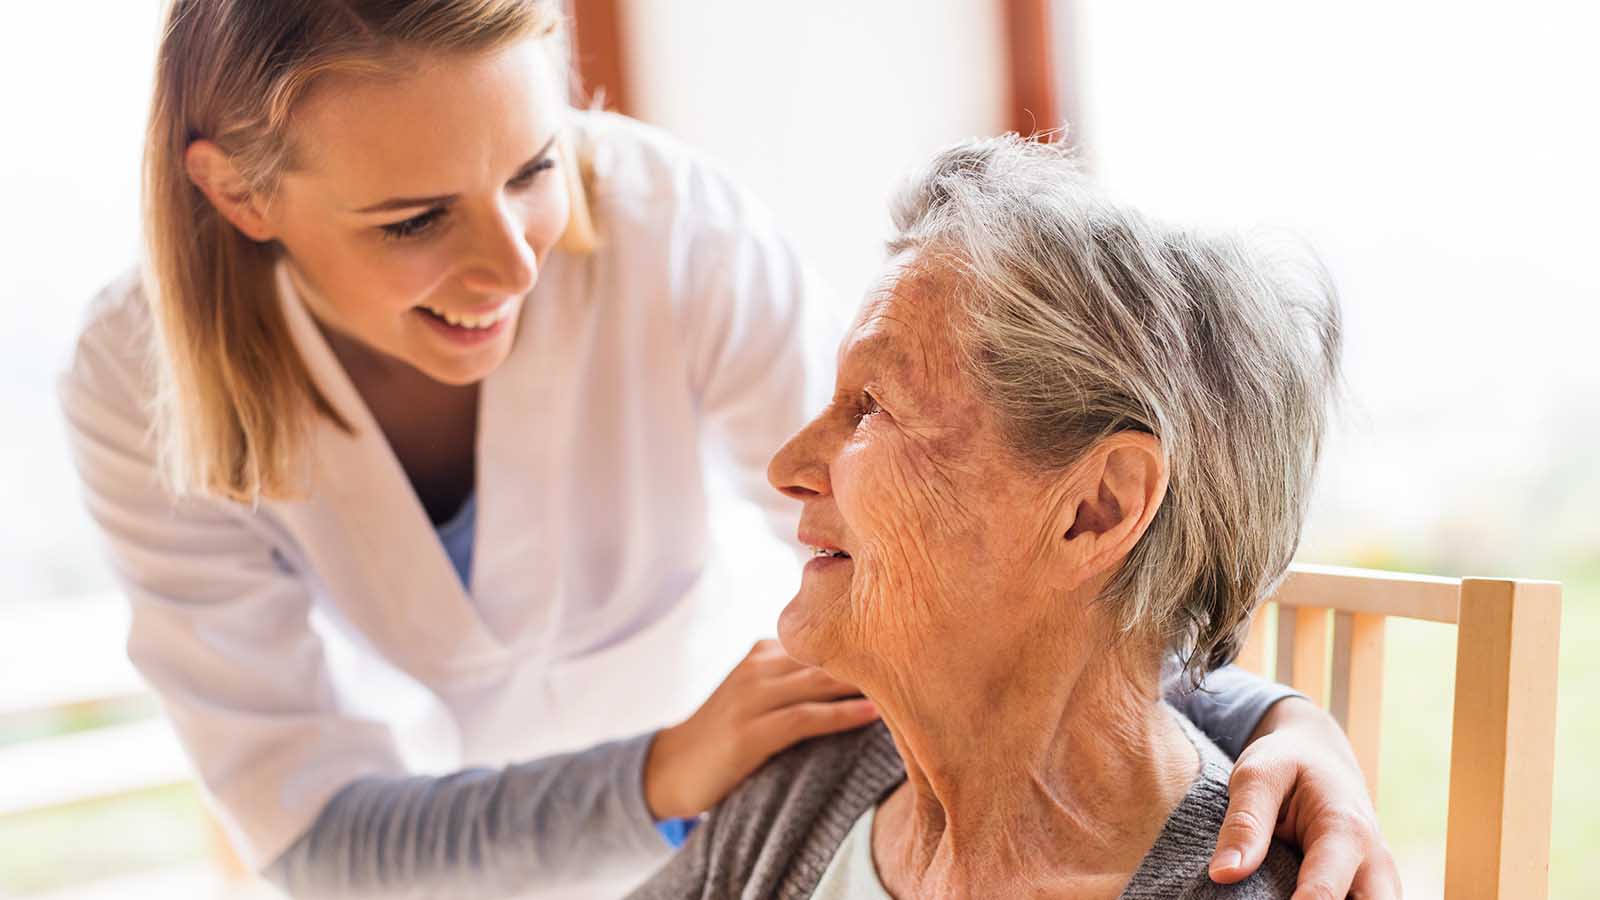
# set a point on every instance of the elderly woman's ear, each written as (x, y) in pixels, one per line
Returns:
(1111, 496)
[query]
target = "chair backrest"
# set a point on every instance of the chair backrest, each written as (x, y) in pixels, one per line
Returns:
(1502, 750)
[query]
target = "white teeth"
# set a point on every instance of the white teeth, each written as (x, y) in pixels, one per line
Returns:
(823, 551)
(475, 322)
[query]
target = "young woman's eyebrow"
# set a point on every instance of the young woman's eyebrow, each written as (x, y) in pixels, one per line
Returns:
(394, 203)
(540, 156)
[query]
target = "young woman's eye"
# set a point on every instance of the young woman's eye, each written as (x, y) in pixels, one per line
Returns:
(527, 176)
(414, 227)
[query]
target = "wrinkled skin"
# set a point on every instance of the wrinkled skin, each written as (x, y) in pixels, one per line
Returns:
(917, 478)
(966, 611)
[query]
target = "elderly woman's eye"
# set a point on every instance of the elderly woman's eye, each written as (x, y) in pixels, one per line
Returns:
(869, 406)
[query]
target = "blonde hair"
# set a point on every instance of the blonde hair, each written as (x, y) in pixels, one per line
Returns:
(236, 399)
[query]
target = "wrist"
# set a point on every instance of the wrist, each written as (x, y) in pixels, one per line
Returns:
(661, 794)
(1297, 714)
(1285, 712)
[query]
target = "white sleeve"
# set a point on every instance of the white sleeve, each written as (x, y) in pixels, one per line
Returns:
(762, 337)
(219, 629)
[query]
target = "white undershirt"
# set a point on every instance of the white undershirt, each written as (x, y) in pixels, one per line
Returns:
(850, 874)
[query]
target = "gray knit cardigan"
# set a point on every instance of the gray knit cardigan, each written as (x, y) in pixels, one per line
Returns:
(774, 836)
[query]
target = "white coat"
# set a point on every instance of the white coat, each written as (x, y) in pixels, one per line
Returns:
(689, 324)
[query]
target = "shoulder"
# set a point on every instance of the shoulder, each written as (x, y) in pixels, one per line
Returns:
(1275, 880)
(678, 238)
(660, 206)
(816, 781)
(775, 834)
(1177, 864)
(642, 173)
(113, 358)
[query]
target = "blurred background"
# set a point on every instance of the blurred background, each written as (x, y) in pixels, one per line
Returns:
(1436, 154)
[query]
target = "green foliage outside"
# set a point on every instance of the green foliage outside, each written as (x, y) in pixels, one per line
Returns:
(103, 839)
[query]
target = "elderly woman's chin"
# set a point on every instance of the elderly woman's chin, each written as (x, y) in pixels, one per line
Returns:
(810, 626)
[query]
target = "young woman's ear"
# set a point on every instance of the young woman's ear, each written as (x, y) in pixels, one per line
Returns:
(1116, 489)
(212, 171)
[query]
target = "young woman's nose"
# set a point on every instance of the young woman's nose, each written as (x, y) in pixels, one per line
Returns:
(800, 468)
(505, 263)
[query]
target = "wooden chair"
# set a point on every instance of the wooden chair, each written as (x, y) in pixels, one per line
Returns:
(1502, 750)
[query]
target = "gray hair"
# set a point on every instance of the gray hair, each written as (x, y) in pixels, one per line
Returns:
(1083, 318)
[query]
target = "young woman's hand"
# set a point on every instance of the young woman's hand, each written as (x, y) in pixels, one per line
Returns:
(1298, 779)
(766, 704)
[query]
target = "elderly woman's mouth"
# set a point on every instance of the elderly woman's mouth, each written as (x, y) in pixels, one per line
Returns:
(829, 552)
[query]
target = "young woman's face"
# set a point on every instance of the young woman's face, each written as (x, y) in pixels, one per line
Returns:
(421, 208)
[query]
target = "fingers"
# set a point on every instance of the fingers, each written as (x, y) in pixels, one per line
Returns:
(769, 678)
(1378, 878)
(1329, 866)
(789, 725)
(764, 648)
(767, 659)
(804, 685)
(1345, 855)
(1256, 792)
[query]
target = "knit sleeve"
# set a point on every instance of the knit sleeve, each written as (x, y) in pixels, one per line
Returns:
(480, 833)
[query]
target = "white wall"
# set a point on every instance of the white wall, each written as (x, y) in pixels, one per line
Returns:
(1442, 158)
(74, 80)
(820, 107)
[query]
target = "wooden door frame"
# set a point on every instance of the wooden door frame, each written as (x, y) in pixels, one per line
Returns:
(1033, 105)
(599, 53)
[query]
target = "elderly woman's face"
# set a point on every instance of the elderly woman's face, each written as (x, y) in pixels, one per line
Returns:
(926, 517)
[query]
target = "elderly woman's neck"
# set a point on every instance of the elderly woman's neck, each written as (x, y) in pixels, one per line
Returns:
(1031, 768)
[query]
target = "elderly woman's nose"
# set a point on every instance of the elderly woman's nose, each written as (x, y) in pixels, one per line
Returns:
(504, 262)
(798, 469)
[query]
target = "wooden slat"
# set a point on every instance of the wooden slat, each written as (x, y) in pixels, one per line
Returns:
(1355, 694)
(1502, 752)
(1311, 654)
(1253, 655)
(1370, 591)
(89, 765)
(1302, 651)
(1283, 657)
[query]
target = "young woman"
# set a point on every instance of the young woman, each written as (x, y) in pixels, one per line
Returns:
(422, 349)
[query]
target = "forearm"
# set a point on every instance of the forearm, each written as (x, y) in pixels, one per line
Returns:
(479, 833)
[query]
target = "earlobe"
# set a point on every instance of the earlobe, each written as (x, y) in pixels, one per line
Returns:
(213, 172)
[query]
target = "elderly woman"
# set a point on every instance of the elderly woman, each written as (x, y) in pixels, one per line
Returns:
(1067, 444)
